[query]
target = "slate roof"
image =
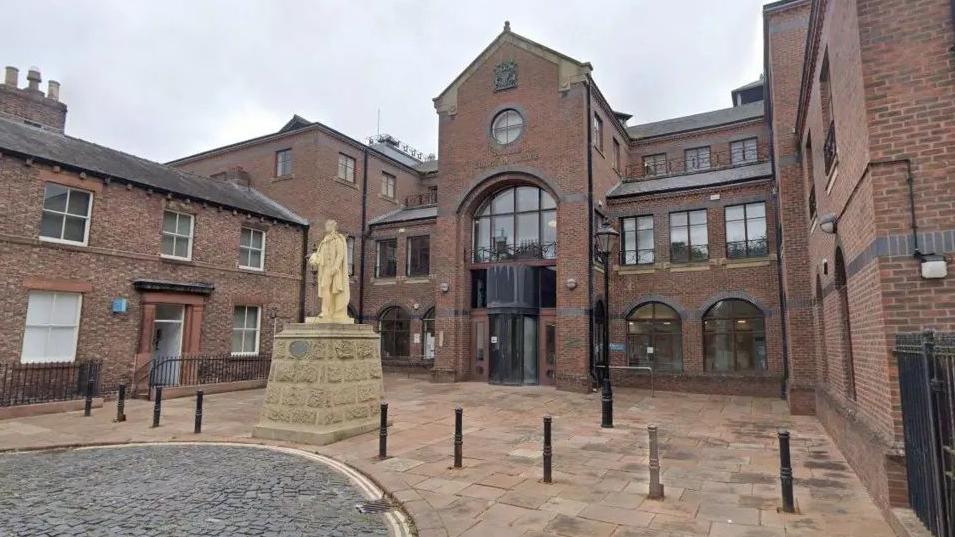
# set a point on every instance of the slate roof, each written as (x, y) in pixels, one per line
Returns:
(754, 84)
(715, 118)
(406, 215)
(427, 166)
(86, 156)
(725, 176)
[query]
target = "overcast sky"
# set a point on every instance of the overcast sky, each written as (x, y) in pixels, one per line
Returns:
(170, 78)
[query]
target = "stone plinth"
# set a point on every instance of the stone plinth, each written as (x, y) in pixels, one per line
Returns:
(324, 384)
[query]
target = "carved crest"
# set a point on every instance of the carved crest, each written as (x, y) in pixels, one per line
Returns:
(505, 75)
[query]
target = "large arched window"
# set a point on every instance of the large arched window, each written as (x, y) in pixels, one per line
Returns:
(734, 337)
(394, 326)
(655, 337)
(842, 289)
(516, 223)
(427, 335)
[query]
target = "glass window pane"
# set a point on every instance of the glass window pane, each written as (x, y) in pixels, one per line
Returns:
(51, 225)
(549, 229)
(645, 239)
(756, 228)
(34, 343)
(251, 317)
(237, 343)
(61, 345)
(168, 245)
(735, 212)
(65, 306)
(735, 231)
(528, 198)
(698, 235)
(78, 203)
(54, 197)
(645, 222)
(245, 237)
(528, 228)
(168, 312)
(182, 248)
(169, 222)
(503, 231)
(678, 219)
(503, 202)
(629, 224)
(255, 259)
(484, 233)
(645, 257)
(697, 217)
(74, 229)
(547, 201)
(185, 223)
(39, 308)
(258, 239)
(238, 317)
(755, 210)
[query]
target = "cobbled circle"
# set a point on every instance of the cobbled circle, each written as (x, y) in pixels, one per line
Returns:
(177, 490)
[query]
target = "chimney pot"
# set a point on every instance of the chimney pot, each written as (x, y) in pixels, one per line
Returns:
(12, 77)
(53, 90)
(34, 79)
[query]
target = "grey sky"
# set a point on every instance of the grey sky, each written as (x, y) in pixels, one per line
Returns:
(166, 79)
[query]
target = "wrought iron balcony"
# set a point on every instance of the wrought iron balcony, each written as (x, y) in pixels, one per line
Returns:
(422, 200)
(718, 160)
(513, 252)
(829, 149)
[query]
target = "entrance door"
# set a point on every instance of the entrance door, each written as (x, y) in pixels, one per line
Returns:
(514, 345)
(167, 344)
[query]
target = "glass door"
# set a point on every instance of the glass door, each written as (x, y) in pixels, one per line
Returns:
(513, 346)
(167, 344)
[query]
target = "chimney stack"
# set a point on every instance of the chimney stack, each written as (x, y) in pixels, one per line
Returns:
(12, 78)
(53, 90)
(34, 79)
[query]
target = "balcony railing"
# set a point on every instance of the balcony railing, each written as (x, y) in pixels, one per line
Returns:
(422, 200)
(513, 252)
(679, 166)
(829, 149)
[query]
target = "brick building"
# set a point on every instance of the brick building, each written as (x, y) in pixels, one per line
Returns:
(113, 258)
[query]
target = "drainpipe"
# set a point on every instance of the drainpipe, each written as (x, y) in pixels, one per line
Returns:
(590, 235)
(910, 179)
(303, 287)
(364, 233)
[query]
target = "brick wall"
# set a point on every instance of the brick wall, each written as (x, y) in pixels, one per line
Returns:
(29, 103)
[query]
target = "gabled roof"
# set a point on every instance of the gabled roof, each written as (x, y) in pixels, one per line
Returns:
(716, 118)
(726, 176)
(406, 215)
(297, 122)
(74, 153)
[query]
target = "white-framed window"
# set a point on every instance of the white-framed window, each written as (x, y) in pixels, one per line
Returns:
(743, 151)
(598, 132)
(697, 158)
(246, 326)
(350, 247)
(66, 214)
(507, 126)
(177, 235)
(388, 185)
(283, 162)
(252, 249)
(346, 168)
(52, 327)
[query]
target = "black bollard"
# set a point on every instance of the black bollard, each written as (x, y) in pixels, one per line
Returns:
(458, 436)
(121, 403)
(383, 432)
(88, 407)
(606, 398)
(157, 406)
(198, 428)
(786, 473)
(548, 451)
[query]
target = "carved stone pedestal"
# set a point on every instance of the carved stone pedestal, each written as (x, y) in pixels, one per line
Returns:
(325, 384)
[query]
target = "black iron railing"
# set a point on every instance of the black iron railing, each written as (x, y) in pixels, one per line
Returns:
(422, 200)
(24, 384)
(751, 248)
(829, 149)
(927, 385)
(195, 370)
(716, 160)
(510, 252)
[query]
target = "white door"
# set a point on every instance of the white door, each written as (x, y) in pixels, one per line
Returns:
(167, 344)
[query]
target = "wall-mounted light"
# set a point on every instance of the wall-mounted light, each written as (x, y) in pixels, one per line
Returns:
(571, 284)
(827, 223)
(934, 266)
(445, 287)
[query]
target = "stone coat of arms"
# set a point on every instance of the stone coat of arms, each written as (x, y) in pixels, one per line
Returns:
(505, 75)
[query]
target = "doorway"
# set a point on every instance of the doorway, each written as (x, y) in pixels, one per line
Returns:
(167, 344)
(514, 349)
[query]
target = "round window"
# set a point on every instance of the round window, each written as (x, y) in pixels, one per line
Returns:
(507, 126)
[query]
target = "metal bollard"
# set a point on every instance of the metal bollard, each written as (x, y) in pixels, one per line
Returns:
(656, 488)
(786, 473)
(383, 432)
(198, 427)
(606, 398)
(157, 406)
(121, 404)
(548, 451)
(458, 436)
(88, 407)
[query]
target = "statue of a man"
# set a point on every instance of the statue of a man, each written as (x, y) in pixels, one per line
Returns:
(330, 261)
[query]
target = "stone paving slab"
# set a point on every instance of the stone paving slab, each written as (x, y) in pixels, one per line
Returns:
(718, 456)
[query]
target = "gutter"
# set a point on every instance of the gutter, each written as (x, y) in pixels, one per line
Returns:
(364, 233)
(590, 234)
(303, 286)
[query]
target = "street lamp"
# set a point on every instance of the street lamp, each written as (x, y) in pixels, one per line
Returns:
(604, 239)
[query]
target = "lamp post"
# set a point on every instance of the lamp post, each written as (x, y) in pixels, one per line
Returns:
(604, 238)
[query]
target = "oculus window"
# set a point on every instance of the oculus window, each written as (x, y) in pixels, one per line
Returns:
(507, 126)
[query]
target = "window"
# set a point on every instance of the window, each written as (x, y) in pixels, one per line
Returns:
(386, 265)
(598, 132)
(616, 155)
(394, 327)
(52, 327)
(251, 249)
(507, 126)
(743, 151)
(283, 162)
(177, 235)
(842, 289)
(697, 158)
(688, 236)
(746, 231)
(346, 168)
(419, 256)
(734, 337)
(66, 214)
(427, 335)
(350, 252)
(246, 324)
(655, 164)
(516, 223)
(808, 165)
(638, 240)
(829, 148)
(388, 185)
(655, 337)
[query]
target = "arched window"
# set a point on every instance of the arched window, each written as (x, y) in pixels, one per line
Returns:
(516, 223)
(427, 335)
(734, 337)
(394, 326)
(655, 337)
(842, 289)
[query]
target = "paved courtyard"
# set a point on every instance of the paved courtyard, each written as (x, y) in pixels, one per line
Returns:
(718, 453)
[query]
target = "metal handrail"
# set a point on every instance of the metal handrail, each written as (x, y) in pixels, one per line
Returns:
(639, 368)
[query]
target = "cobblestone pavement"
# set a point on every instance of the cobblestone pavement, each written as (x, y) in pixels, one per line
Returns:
(171, 490)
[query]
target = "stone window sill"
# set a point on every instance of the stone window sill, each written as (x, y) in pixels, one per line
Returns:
(346, 182)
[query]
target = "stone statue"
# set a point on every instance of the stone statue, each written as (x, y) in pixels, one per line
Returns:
(330, 261)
